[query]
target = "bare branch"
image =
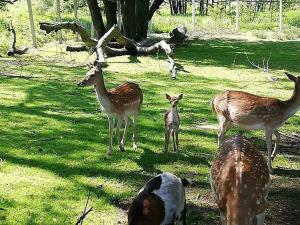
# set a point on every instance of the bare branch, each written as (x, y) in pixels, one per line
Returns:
(132, 47)
(8, 1)
(14, 50)
(81, 218)
(74, 26)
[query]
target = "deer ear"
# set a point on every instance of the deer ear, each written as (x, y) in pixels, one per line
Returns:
(291, 77)
(168, 97)
(180, 96)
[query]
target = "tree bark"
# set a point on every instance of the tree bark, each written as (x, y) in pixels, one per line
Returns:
(96, 17)
(141, 18)
(153, 7)
(85, 36)
(110, 12)
(128, 18)
(133, 48)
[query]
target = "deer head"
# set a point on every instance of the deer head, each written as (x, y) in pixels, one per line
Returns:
(174, 99)
(295, 79)
(91, 77)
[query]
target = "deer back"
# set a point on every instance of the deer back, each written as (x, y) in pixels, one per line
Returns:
(240, 181)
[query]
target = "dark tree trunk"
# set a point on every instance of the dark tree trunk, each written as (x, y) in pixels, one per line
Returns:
(96, 17)
(141, 18)
(153, 7)
(128, 18)
(110, 12)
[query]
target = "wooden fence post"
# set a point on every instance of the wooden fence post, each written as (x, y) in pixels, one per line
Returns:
(58, 20)
(93, 33)
(193, 15)
(119, 14)
(31, 23)
(76, 17)
(237, 16)
(280, 16)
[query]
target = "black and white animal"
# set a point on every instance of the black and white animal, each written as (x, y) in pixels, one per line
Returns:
(160, 202)
(172, 122)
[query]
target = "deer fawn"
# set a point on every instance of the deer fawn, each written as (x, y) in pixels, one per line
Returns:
(160, 202)
(255, 112)
(118, 104)
(172, 122)
(240, 182)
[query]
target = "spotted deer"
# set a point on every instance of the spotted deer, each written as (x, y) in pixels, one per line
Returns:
(240, 182)
(160, 202)
(119, 104)
(172, 122)
(255, 112)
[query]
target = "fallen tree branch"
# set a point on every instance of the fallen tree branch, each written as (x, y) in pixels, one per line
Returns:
(133, 48)
(13, 49)
(178, 35)
(16, 76)
(8, 1)
(103, 47)
(74, 26)
(265, 68)
(76, 48)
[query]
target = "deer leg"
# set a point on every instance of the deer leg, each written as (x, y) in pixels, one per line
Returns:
(268, 134)
(177, 142)
(174, 142)
(123, 141)
(110, 127)
(277, 143)
(259, 219)
(167, 137)
(134, 120)
(224, 126)
(119, 122)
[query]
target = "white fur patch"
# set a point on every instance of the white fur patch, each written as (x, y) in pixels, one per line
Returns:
(172, 193)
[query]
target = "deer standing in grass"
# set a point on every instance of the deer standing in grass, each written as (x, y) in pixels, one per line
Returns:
(118, 104)
(240, 182)
(172, 122)
(255, 112)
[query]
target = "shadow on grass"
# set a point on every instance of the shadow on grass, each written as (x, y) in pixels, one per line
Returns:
(286, 172)
(202, 215)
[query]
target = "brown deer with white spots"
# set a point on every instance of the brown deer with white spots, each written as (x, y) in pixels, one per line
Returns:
(172, 122)
(255, 112)
(160, 202)
(240, 182)
(118, 104)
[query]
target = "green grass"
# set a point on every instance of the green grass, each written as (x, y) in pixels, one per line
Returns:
(54, 139)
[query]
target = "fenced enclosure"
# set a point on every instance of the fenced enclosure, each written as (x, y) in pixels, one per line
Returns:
(265, 19)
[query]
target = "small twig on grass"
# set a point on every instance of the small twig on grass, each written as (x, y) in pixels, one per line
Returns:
(81, 218)
(46, 139)
(85, 213)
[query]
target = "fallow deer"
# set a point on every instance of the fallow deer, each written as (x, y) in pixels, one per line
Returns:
(160, 202)
(255, 112)
(240, 182)
(172, 122)
(118, 104)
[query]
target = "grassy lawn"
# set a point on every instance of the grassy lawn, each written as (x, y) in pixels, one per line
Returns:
(54, 139)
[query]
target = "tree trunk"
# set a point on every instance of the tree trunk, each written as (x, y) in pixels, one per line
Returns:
(141, 18)
(96, 17)
(111, 13)
(128, 18)
(153, 7)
